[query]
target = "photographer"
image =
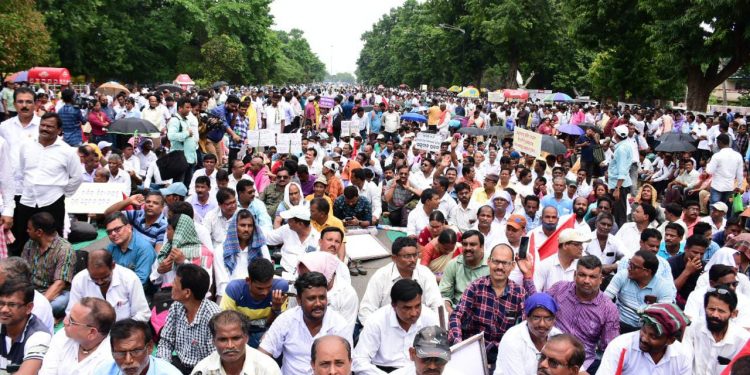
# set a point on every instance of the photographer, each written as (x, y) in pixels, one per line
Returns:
(72, 119)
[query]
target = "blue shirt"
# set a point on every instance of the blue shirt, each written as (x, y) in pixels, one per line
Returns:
(663, 250)
(631, 298)
(712, 248)
(154, 234)
(72, 119)
(138, 258)
(347, 110)
(564, 206)
(376, 121)
(156, 366)
(619, 166)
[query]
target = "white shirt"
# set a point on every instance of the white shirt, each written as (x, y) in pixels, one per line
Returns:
(420, 181)
(378, 292)
(125, 293)
(217, 225)
(516, 353)
(256, 363)
(417, 220)
(157, 116)
(292, 247)
(16, 135)
(123, 179)
(43, 310)
(373, 194)
(696, 311)
(7, 182)
(714, 228)
(726, 169)
(383, 342)
(630, 236)
(613, 251)
(49, 172)
(132, 164)
(62, 357)
(550, 271)
(701, 130)
(233, 181)
(677, 359)
(274, 116)
(288, 335)
(221, 273)
(706, 350)
(145, 160)
(463, 218)
(391, 121)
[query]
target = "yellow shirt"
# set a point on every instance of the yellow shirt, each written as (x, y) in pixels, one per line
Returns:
(327, 198)
(331, 222)
(252, 117)
(433, 115)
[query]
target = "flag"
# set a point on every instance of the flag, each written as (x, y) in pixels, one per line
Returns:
(550, 246)
(745, 351)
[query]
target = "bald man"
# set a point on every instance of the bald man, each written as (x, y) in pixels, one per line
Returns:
(331, 355)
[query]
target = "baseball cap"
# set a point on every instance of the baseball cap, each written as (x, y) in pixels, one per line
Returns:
(323, 136)
(540, 300)
(572, 235)
(720, 206)
(380, 136)
(432, 342)
(322, 180)
(177, 188)
(298, 212)
(622, 131)
(332, 165)
(103, 144)
(517, 221)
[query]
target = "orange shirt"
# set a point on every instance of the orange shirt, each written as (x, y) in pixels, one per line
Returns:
(335, 188)
(351, 164)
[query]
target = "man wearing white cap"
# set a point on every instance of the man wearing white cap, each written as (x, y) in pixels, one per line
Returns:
(297, 237)
(562, 266)
(619, 181)
(717, 218)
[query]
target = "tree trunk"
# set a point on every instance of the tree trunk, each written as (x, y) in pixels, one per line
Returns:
(698, 91)
(510, 77)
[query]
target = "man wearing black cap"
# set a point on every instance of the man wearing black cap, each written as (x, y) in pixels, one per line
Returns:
(430, 353)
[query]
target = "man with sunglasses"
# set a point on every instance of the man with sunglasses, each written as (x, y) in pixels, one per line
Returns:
(132, 345)
(82, 345)
(562, 355)
(114, 283)
(719, 276)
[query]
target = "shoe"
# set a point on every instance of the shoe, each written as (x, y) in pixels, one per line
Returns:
(359, 269)
(353, 270)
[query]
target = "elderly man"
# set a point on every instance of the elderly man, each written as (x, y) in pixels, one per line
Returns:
(558, 200)
(83, 344)
(430, 352)
(233, 355)
(654, 348)
(114, 283)
(117, 175)
(52, 261)
(464, 269)
(331, 355)
(129, 248)
(132, 345)
(521, 344)
(381, 343)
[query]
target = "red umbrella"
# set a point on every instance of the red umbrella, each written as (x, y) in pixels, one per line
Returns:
(516, 94)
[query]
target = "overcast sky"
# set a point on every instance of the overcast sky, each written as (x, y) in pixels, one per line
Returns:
(332, 27)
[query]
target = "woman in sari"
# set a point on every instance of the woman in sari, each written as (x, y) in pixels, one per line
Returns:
(647, 194)
(292, 197)
(430, 233)
(438, 253)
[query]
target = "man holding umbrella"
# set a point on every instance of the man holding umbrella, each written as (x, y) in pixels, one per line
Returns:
(619, 181)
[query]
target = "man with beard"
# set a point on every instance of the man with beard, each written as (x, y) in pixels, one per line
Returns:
(580, 207)
(464, 269)
(654, 349)
(464, 214)
(28, 335)
(544, 231)
(233, 355)
(717, 339)
(603, 204)
(294, 331)
(132, 345)
(562, 355)
(521, 345)
(719, 276)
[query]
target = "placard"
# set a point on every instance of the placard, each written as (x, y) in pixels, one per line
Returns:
(283, 140)
(428, 141)
(495, 97)
(326, 102)
(346, 127)
(296, 143)
(365, 247)
(253, 138)
(267, 137)
(468, 356)
(94, 198)
(527, 141)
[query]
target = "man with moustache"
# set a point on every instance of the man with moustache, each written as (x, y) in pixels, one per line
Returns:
(430, 353)
(293, 332)
(521, 345)
(331, 355)
(580, 207)
(464, 269)
(132, 345)
(562, 355)
(233, 356)
(717, 339)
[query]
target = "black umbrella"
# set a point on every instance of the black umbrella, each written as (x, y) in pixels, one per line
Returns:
(675, 146)
(676, 137)
(498, 131)
(472, 131)
(132, 126)
(588, 125)
(218, 84)
(169, 87)
(553, 145)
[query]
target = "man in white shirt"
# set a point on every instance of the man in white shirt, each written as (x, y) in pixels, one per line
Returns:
(296, 237)
(83, 344)
(209, 170)
(7, 186)
(404, 266)
(430, 353)
(422, 179)
(217, 220)
(17, 131)
(391, 121)
(117, 175)
(464, 214)
(118, 285)
(419, 217)
(237, 173)
(328, 352)
(370, 191)
(274, 115)
(717, 218)
(51, 171)
(726, 170)
(315, 168)
(155, 113)
(643, 216)
(562, 266)
(293, 332)
(384, 342)
(716, 339)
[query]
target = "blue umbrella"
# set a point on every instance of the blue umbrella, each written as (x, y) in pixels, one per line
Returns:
(571, 129)
(22, 76)
(413, 117)
(558, 97)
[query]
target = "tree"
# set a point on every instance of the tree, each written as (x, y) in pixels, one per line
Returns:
(341, 77)
(25, 39)
(224, 59)
(294, 47)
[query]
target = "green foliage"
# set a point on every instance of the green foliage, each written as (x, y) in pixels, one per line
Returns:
(341, 77)
(24, 38)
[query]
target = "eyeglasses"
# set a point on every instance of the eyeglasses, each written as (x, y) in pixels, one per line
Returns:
(721, 291)
(74, 323)
(283, 177)
(553, 363)
(133, 353)
(502, 263)
(11, 305)
(409, 256)
(633, 266)
(537, 319)
(115, 230)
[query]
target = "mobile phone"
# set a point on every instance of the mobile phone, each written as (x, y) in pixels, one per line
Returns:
(347, 219)
(523, 248)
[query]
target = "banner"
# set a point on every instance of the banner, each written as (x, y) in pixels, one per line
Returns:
(527, 141)
(93, 198)
(326, 102)
(266, 137)
(253, 138)
(296, 143)
(428, 141)
(283, 141)
(495, 97)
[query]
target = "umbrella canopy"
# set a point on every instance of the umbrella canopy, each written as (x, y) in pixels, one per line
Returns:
(454, 124)
(55, 76)
(22, 76)
(472, 131)
(499, 131)
(588, 125)
(676, 137)
(570, 129)
(516, 94)
(463, 120)
(558, 97)
(454, 88)
(132, 126)
(469, 93)
(12, 78)
(413, 117)
(183, 79)
(112, 88)
(169, 87)
(675, 146)
(218, 84)
(552, 145)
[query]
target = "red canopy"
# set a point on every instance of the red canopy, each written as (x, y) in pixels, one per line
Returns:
(56, 76)
(516, 94)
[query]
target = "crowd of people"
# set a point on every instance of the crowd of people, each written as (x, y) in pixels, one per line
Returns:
(607, 258)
